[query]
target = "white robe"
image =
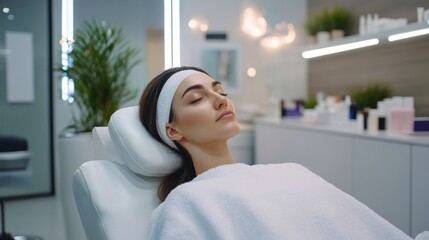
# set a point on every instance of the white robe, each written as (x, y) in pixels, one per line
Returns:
(276, 201)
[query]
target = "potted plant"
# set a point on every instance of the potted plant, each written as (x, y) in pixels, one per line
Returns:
(310, 26)
(369, 95)
(101, 62)
(324, 27)
(339, 20)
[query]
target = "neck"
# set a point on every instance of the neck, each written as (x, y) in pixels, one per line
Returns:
(209, 156)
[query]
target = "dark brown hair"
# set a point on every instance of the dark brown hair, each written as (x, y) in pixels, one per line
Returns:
(147, 113)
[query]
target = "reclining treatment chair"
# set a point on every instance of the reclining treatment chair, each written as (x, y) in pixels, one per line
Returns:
(116, 195)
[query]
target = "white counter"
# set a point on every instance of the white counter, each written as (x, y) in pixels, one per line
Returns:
(347, 128)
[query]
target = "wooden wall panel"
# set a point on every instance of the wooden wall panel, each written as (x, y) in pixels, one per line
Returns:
(403, 65)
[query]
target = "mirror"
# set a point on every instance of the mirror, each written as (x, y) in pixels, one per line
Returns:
(25, 98)
(222, 64)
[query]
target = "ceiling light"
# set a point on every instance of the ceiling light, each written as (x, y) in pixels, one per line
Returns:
(204, 27)
(278, 39)
(253, 23)
(193, 24)
(251, 72)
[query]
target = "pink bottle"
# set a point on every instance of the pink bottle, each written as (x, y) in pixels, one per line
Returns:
(402, 116)
(395, 118)
(408, 115)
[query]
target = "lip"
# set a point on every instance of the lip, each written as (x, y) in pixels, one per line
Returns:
(225, 114)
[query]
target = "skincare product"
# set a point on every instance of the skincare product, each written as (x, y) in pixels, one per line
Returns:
(387, 107)
(362, 25)
(368, 23)
(273, 107)
(395, 118)
(402, 115)
(426, 15)
(282, 108)
(420, 11)
(408, 115)
(365, 119)
(375, 23)
(421, 124)
(353, 111)
(372, 121)
(360, 121)
(381, 115)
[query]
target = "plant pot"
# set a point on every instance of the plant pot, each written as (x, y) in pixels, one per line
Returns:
(73, 151)
(311, 40)
(322, 37)
(337, 34)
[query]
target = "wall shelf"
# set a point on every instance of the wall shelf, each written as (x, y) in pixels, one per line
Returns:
(358, 41)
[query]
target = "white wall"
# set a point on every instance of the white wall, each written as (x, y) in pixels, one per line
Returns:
(281, 73)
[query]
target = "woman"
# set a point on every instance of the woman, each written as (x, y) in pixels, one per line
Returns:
(187, 110)
(198, 121)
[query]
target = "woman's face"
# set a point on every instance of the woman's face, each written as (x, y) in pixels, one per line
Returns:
(202, 112)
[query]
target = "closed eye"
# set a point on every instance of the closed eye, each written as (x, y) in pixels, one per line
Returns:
(196, 100)
(223, 94)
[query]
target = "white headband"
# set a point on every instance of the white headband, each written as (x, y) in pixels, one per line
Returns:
(165, 100)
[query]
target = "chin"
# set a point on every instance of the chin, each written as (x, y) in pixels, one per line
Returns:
(232, 129)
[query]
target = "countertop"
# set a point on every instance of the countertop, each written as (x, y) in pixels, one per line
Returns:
(344, 128)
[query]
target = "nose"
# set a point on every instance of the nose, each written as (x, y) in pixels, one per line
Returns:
(220, 102)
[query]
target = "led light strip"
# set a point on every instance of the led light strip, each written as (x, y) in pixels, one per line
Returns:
(167, 35)
(175, 10)
(67, 84)
(410, 34)
(171, 33)
(339, 48)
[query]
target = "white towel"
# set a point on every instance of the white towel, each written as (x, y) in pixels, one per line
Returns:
(278, 201)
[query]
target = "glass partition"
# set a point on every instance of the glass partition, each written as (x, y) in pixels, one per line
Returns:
(25, 99)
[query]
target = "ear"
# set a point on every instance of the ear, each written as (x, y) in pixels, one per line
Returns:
(172, 133)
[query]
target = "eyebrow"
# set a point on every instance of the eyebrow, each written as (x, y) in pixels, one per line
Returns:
(199, 86)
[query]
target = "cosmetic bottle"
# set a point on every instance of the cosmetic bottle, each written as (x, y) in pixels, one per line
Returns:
(408, 115)
(320, 97)
(282, 108)
(298, 107)
(273, 107)
(395, 121)
(420, 11)
(351, 108)
(381, 115)
(360, 121)
(375, 23)
(353, 111)
(365, 114)
(372, 121)
(362, 26)
(368, 23)
(387, 107)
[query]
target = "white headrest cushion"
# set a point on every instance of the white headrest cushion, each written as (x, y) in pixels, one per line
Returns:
(142, 153)
(104, 149)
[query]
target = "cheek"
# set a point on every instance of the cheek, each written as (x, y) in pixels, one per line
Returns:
(193, 118)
